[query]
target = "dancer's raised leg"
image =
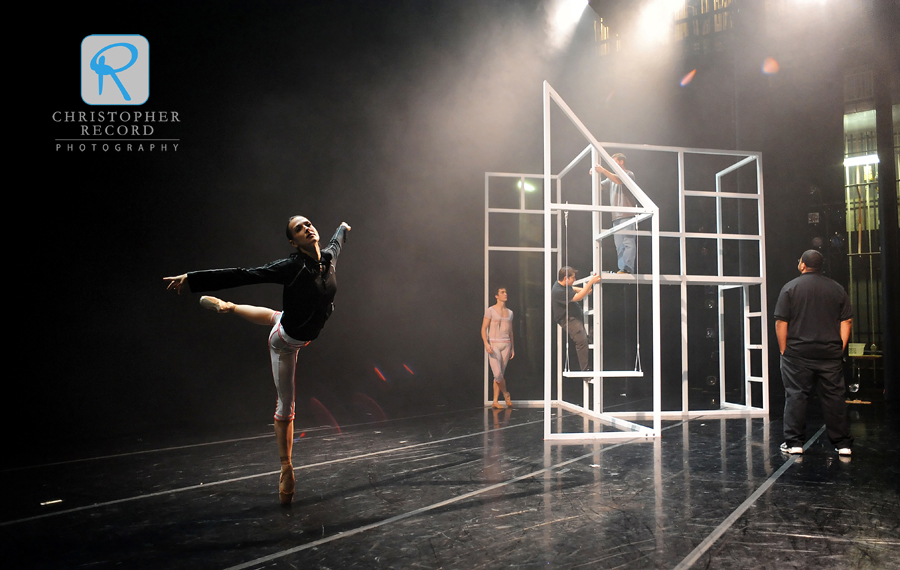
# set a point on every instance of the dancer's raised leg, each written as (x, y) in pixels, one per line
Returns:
(256, 315)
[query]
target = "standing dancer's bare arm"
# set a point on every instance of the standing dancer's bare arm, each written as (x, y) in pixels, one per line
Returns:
(485, 323)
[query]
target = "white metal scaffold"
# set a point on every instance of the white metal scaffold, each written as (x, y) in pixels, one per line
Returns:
(753, 350)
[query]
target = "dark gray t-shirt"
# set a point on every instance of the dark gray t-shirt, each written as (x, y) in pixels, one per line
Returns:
(560, 296)
(813, 307)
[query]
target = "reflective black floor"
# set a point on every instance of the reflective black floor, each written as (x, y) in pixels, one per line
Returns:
(465, 489)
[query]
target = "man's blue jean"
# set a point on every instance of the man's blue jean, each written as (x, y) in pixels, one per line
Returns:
(626, 247)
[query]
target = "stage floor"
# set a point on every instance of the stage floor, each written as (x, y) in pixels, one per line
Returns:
(464, 489)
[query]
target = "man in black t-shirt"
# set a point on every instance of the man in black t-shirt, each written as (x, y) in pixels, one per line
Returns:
(563, 295)
(812, 322)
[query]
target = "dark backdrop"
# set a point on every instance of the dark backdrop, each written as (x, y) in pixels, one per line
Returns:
(382, 114)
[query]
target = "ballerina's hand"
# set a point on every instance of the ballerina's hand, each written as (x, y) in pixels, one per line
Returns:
(176, 282)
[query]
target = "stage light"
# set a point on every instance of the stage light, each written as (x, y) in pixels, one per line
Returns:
(528, 187)
(861, 160)
(770, 66)
(563, 15)
(656, 20)
(566, 13)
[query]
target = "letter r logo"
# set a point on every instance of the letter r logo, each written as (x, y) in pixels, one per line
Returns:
(115, 69)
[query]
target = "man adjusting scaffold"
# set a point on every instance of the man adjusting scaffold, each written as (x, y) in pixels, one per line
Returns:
(563, 296)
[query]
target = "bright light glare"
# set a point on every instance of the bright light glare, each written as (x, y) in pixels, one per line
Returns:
(656, 20)
(568, 12)
(528, 187)
(563, 16)
(861, 160)
(688, 78)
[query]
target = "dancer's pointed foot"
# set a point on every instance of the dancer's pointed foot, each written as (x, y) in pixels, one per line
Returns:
(217, 305)
(286, 484)
(497, 406)
(508, 400)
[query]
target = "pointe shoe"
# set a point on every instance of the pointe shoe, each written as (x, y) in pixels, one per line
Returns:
(286, 485)
(508, 400)
(214, 304)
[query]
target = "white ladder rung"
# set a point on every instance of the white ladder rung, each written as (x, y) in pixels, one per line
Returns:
(605, 374)
(755, 378)
(754, 346)
(756, 314)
